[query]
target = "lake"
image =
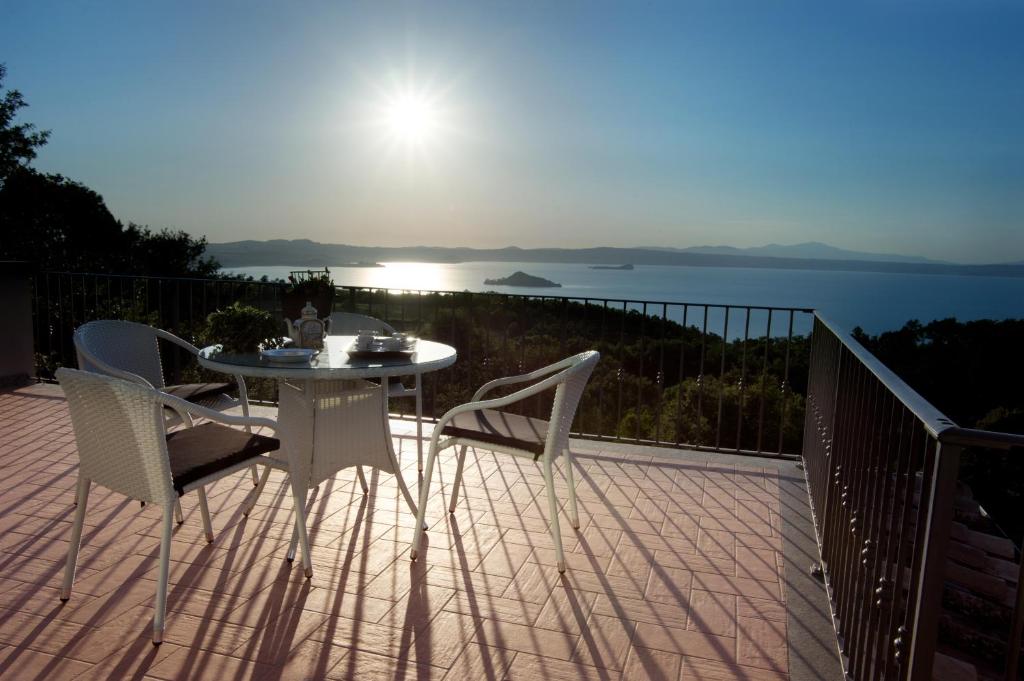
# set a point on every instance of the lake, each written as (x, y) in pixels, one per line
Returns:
(876, 302)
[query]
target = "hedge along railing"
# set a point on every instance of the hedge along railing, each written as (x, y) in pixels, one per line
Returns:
(712, 377)
(883, 467)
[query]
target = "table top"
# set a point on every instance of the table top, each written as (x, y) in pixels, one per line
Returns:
(332, 362)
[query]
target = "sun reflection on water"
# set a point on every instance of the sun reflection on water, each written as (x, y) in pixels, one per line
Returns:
(425, 276)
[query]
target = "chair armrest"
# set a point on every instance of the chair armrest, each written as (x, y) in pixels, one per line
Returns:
(497, 402)
(522, 378)
(184, 407)
(180, 342)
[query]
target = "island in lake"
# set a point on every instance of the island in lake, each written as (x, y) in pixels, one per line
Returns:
(522, 279)
(627, 266)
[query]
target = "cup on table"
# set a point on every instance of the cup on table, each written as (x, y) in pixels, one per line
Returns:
(364, 338)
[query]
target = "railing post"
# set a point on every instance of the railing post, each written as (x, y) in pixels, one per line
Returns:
(924, 628)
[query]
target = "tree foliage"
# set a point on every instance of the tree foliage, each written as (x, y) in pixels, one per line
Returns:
(964, 368)
(63, 225)
(18, 142)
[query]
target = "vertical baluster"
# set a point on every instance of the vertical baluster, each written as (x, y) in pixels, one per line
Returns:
(682, 377)
(640, 372)
(700, 380)
(764, 381)
(661, 373)
(621, 354)
(743, 382)
(784, 388)
(721, 379)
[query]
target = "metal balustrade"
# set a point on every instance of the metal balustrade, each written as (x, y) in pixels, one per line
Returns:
(711, 377)
(882, 465)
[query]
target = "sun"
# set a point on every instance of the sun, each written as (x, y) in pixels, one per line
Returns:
(411, 118)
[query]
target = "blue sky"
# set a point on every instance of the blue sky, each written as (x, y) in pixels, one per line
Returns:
(883, 126)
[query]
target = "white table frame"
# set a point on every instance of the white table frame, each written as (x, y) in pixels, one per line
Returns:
(333, 364)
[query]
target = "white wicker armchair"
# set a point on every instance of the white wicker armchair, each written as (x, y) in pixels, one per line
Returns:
(480, 423)
(351, 323)
(131, 351)
(123, 445)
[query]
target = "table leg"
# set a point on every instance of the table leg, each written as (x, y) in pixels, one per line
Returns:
(290, 556)
(391, 448)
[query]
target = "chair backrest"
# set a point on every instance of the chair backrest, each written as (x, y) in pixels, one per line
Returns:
(127, 346)
(567, 399)
(351, 323)
(119, 430)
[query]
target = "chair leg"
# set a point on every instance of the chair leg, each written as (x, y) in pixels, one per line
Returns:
(362, 479)
(255, 494)
(556, 531)
(574, 514)
(204, 509)
(421, 512)
(299, 498)
(419, 425)
(160, 606)
(178, 516)
(243, 397)
(81, 499)
(458, 479)
(293, 545)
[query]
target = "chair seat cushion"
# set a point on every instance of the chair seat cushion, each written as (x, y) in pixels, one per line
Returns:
(195, 392)
(500, 428)
(209, 448)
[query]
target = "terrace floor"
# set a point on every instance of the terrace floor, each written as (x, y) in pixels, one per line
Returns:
(688, 566)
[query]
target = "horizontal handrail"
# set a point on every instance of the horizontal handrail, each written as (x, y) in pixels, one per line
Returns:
(934, 421)
(988, 439)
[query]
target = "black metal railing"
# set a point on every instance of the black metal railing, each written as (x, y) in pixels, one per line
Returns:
(712, 377)
(883, 467)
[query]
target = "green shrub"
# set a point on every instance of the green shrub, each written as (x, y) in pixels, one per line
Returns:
(242, 328)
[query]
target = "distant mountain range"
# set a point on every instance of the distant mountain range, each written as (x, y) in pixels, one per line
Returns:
(814, 250)
(807, 256)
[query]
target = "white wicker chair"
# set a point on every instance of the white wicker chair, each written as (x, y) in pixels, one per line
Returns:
(480, 424)
(131, 351)
(123, 445)
(351, 323)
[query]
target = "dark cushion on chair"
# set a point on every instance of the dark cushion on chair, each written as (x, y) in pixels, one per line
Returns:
(209, 448)
(194, 392)
(500, 428)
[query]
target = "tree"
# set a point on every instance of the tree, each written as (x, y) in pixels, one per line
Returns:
(63, 225)
(18, 143)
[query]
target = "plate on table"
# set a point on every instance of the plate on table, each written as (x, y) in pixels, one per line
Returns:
(382, 348)
(289, 355)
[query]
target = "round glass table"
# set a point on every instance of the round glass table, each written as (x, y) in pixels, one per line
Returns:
(329, 416)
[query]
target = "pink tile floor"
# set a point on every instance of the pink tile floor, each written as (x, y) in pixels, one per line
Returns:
(676, 572)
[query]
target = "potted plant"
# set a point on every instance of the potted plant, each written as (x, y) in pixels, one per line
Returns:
(314, 286)
(243, 329)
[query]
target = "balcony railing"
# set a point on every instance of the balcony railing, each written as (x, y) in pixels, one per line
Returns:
(710, 377)
(883, 466)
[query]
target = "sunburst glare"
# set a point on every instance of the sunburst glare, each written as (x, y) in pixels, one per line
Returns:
(412, 119)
